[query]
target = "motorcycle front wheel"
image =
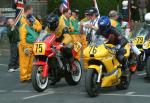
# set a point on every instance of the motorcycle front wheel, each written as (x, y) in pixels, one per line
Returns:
(39, 83)
(91, 85)
(148, 68)
(73, 77)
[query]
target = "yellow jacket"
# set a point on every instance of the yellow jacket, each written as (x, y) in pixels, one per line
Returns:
(116, 24)
(23, 31)
(64, 22)
(36, 25)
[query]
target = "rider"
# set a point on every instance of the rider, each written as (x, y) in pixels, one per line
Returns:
(114, 37)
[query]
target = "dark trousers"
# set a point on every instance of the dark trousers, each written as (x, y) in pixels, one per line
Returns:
(14, 56)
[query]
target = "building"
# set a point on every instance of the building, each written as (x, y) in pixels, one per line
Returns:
(40, 7)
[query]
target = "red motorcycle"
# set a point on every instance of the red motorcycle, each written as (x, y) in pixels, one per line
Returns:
(54, 61)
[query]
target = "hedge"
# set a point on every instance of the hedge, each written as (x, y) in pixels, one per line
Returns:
(104, 5)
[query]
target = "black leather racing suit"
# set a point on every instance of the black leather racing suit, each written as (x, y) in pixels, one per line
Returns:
(114, 37)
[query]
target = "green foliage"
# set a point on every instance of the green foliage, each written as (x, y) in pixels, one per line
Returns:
(104, 5)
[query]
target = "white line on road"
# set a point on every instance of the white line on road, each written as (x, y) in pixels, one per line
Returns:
(22, 91)
(2, 91)
(3, 65)
(39, 95)
(124, 95)
(130, 93)
(141, 74)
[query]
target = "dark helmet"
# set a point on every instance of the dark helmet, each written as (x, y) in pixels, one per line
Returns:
(76, 11)
(104, 24)
(92, 11)
(52, 22)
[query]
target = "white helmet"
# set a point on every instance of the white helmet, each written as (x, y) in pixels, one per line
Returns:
(147, 18)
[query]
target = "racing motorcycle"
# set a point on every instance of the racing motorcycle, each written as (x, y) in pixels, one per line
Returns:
(146, 47)
(54, 61)
(104, 70)
(139, 39)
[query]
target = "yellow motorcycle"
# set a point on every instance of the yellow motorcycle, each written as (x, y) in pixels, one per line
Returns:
(104, 70)
(146, 47)
(139, 39)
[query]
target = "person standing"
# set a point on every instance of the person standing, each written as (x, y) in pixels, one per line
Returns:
(28, 29)
(142, 4)
(65, 22)
(125, 10)
(90, 27)
(114, 17)
(75, 23)
(13, 35)
(134, 12)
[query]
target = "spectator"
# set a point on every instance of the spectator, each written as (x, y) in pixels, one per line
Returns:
(134, 12)
(2, 19)
(75, 23)
(142, 4)
(114, 17)
(125, 10)
(13, 35)
(3, 29)
(28, 30)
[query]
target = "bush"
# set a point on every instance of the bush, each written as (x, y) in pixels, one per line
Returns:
(104, 5)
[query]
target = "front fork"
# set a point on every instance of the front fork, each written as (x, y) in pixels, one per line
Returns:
(99, 74)
(45, 71)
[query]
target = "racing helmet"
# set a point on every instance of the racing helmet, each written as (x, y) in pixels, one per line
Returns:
(147, 18)
(52, 22)
(104, 25)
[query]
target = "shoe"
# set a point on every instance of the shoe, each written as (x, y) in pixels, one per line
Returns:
(11, 70)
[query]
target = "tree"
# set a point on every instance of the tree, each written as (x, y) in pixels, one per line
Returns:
(104, 5)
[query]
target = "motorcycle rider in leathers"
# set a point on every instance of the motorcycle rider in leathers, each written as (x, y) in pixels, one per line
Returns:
(114, 37)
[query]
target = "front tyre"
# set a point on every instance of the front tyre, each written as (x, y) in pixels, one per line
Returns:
(91, 85)
(148, 68)
(74, 74)
(39, 83)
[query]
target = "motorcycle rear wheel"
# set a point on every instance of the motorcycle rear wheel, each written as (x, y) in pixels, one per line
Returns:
(39, 83)
(91, 85)
(125, 81)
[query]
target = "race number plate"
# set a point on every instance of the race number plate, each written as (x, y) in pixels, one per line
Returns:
(77, 46)
(146, 45)
(93, 50)
(139, 40)
(39, 49)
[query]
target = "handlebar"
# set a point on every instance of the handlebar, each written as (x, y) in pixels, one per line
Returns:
(112, 48)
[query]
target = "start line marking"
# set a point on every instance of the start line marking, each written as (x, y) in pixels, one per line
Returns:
(125, 95)
(128, 94)
(3, 64)
(39, 95)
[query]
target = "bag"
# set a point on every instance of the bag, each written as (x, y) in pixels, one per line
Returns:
(31, 35)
